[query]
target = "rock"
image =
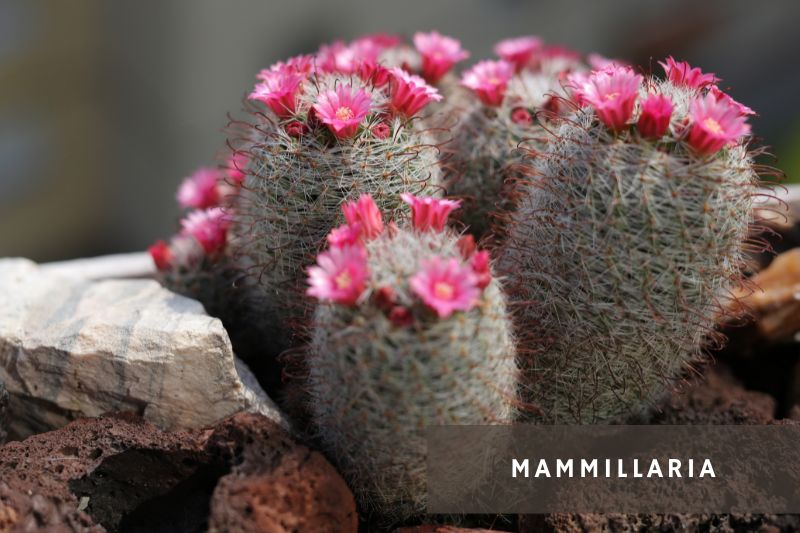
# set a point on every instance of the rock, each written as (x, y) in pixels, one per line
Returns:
(275, 485)
(440, 529)
(3, 415)
(717, 398)
(71, 348)
(775, 301)
(120, 473)
(117, 266)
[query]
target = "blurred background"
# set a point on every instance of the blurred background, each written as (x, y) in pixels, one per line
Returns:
(106, 104)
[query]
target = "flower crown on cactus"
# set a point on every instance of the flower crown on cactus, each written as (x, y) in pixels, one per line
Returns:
(627, 103)
(442, 285)
(354, 89)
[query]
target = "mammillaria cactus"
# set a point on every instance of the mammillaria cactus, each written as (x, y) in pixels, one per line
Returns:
(515, 97)
(627, 238)
(321, 131)
(411, 331)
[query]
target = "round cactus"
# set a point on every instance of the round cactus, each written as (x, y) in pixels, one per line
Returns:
(317, 137)
(412, 331)
(627, 239)
(513, 100)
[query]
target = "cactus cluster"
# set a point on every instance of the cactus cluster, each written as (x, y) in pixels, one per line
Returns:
(623, 232)
(321, 131)
(411, 331)
(627, 239)
(513, 99)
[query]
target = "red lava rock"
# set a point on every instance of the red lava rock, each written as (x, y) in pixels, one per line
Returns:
(439, 529)
(715, 398)
(119, 473)
(275, 485)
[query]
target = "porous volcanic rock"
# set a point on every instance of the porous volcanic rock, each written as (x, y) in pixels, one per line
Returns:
(121, 473)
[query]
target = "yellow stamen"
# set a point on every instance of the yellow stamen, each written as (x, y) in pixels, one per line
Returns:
(713, 126)
(611, 96)
(344, 113)
(495, 81)
(343, 280)
(443, 291)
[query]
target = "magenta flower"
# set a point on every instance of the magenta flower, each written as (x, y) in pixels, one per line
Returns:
(209, 227)
(200, 189)
(340, 275)
(161, 254)
(381, 130)
(518, 50)
(364, 213)
(719, 95)
(489, 80)
(343, 109)
(521, 116)
(612, 92)
(599, 62)
(654, 118)
(680, 73)
(714, 124)
(278, 90)
(337, 57)
(445, 285)
(302, 64)
(429, 213)
(345, 235)
(439, 54)
(410, 93)
(374, 73)
(480, 267)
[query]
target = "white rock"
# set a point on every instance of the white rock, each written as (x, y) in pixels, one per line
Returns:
(72, 348)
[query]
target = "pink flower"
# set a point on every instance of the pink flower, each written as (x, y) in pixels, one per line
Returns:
(575, 83)
(598, 62)
(439, 54)
(489, 79)
(518, 50)
(296, 129)
(480, 267)
(715, 123)
(429, 213)
(445, 285)
(161, 254)
(680, 73)
(466, 245)
(343, 109)
(200, 189)
(209, 227)
(381, 130)
(237, 165)
(366, 214)
(410, 93)
(719, 95)
(340, 275)
(654, 118)
(612, 92)
(345, 235)
(278, 90)
(374, 73)
(521, 116)
(401, 316)
(337, 57)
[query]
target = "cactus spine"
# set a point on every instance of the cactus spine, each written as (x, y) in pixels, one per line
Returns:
(387, 366)
(622, 248)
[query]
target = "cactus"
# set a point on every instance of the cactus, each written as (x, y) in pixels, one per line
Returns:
(513, 101)
(423, 338)
(315, 138)
(627, 240)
